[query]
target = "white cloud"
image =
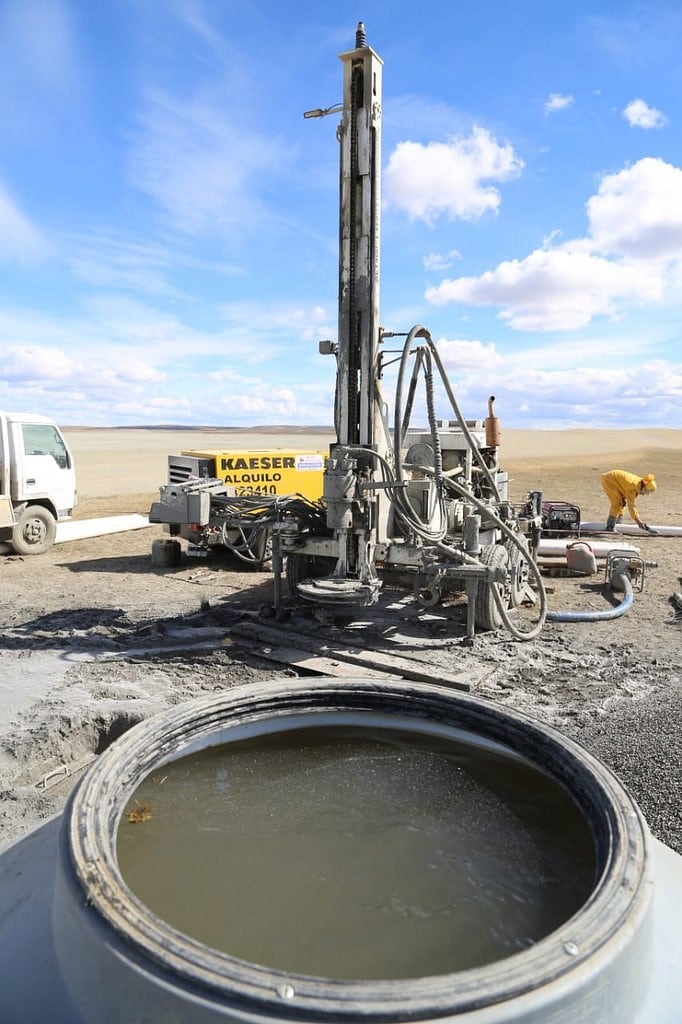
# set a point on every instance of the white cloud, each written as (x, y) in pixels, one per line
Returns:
(230, 376)
(107, 260)
(586, 383)
(122, 350)
(81, 388)
(95, 271)
(449, 178)
(629, 256)
(465, 355)
(278, 321)
(193, 15)
(575, 383)
(136, 371)
(19, 238)
(165, 337)
(552, 236)
(168, 404)
(441, 261)
(638, 211)
(33, 362)
(279, 405)
(639, 114)
(122, 360)
(557, 101)
(554, 290)
(201, 166)
(278, 402)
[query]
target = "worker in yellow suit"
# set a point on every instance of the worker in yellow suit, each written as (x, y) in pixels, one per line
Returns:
(623, 488)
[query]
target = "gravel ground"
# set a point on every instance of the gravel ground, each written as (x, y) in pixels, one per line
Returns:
(93, 638)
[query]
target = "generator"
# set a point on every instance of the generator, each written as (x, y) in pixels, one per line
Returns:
(560, 518)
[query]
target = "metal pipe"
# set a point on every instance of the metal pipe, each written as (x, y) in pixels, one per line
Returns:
(551, 547)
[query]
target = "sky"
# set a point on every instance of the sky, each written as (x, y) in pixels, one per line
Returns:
(169, 220)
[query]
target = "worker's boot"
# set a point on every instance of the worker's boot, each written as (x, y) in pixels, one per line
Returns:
(611, 524)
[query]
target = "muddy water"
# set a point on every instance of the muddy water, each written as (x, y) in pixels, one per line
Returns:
(356, 853)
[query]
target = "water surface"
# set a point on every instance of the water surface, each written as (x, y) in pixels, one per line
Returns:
(358, 852)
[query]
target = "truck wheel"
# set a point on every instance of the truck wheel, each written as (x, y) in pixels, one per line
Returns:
(34, 532)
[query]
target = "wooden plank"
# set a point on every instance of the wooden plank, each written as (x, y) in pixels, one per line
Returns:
(391, 664)
(316, 664)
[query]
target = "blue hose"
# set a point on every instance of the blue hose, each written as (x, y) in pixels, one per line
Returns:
(610, 613)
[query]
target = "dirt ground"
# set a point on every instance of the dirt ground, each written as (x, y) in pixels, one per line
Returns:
(94, 638)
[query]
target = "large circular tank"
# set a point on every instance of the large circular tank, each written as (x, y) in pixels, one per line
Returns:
(602, 947)
(593, 964)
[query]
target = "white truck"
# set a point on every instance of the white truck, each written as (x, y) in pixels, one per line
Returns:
(37, 482)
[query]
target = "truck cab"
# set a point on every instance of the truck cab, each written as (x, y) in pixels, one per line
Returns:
(37, 481)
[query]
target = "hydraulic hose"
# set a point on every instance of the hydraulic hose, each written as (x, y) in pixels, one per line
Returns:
(249, 515)
(402, 508)
(422, 332)
(609, 613)
(401, 423)
(394, 479)
(518, 634)
(463, 557)
(442, 480)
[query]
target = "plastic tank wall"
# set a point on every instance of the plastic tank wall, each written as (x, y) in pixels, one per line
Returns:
(103, 956)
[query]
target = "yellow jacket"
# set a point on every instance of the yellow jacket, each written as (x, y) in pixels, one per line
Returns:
(622, 488)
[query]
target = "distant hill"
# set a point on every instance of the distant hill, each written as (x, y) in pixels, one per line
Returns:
(212, 429)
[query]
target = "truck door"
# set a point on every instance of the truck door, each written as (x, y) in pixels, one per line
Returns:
(47, 466)
(6, 513)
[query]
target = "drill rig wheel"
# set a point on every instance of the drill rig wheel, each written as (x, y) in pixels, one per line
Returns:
(519, 570)
(488, 617)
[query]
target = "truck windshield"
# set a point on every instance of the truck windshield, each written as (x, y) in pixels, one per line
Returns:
(43, 439)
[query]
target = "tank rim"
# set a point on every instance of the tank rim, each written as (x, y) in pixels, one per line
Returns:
(92, 817)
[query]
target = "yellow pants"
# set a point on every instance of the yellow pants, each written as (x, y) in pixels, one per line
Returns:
(616, 497)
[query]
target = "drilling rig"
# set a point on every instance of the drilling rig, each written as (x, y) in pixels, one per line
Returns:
(426, 505)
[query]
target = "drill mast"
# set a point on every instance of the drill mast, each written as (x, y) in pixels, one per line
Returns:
(359, 240)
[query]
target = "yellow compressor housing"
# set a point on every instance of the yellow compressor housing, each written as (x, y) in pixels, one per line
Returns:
(271, 471)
